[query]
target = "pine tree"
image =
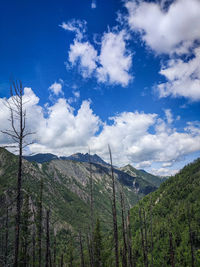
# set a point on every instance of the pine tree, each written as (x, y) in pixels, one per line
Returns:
(114, 211)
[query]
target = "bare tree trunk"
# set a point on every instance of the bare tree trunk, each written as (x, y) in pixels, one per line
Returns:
(151, 236)
(145, 236)
(89, 251)
(6, 238)
(91, 216)
(81, 249)
(40, 224)
(47, 239)
(61, 261)
(19, 180)
(124, 231)
(142, 239)
(18, 134)
(115, 228)
(130, 253)
(33, 251)
(54, 252)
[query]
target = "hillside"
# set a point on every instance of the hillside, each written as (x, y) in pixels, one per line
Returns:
(66, 187)
(175, 223)
(155, 180)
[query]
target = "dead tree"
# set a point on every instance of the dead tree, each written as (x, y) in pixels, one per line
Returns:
(54, 251)
(130, 253)
(81, 250)
(33, 249)
(124, 230)
(91, 240)
(114, 210)
(6, 238)
(143, 239)
(39, 223)
(152, 264)
(18, 133)
(47, 240)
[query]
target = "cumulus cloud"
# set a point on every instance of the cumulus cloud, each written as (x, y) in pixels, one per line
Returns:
(84, 54)
(109, 64)
(183, 78)
(166, 31)
(137, 138)
(163, 171)
(114, 59)
(56, 88)
(131, 141)
(57, 126)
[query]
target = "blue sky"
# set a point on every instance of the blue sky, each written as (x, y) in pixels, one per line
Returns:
(97, 72)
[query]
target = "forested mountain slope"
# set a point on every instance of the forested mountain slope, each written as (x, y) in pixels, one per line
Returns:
(166, 223)
(66, 186)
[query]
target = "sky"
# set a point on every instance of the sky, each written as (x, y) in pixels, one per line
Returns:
(124, 73)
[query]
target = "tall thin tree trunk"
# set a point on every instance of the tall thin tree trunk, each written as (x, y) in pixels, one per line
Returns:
(91, 216)
(81, 249)
(145, 238)
(89, 251)
(54, 252)
(115, 228)
(61, 261)
(130, 253)
(40, 224)
(151, 236)
(33, 250)
(6, 237)
(124, 231)
(47, 239)
(19, 185)
(142, 239)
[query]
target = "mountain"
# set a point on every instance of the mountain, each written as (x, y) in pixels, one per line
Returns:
(155, 180)
(67, 185)
(86, 158)
(41, 158)
(171, 215)
(46, 157)
(66, 193)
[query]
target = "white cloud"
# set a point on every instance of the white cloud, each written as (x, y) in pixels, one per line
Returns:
(93, 4)
(84, 54)
(131, 141)
(114, 59)
(168, 115)
(163, 171)
(56, 88)
(136, 138)
(166, 31)
(111, 64)
(57, 128)
(183, 78)
(77, 26)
